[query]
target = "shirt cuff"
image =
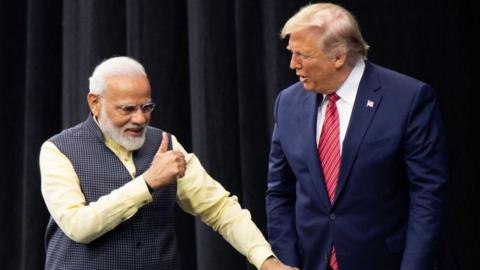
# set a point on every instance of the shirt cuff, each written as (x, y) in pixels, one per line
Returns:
(138, 191)
(260, 255)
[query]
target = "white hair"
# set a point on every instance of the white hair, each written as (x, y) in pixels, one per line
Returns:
(120, 65)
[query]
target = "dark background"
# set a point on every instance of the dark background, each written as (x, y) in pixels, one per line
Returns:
(215, 68)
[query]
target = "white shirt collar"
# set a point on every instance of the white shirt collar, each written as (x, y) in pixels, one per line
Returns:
(348, 91)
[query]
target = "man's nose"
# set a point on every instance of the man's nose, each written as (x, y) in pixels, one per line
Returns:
(294, 62)
(139, 117)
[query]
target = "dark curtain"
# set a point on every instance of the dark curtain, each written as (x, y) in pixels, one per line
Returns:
(215, 69)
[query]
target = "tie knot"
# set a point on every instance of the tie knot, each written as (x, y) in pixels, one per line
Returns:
(333, 97)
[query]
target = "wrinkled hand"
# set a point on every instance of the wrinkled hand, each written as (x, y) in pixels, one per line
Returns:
(273, 263)
(166, 166)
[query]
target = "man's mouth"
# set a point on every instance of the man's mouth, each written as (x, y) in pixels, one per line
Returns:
(134, 132)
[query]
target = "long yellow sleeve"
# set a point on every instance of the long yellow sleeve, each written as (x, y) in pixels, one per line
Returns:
(66, 203)
(197, 193)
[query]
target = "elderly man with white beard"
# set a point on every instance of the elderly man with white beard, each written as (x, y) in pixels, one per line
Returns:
(111, 183)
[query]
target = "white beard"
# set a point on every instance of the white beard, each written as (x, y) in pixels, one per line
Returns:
(117, 133)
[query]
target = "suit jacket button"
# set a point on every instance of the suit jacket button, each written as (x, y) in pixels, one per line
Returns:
(332, 216)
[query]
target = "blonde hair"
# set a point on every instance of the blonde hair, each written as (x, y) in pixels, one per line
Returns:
(338, 28)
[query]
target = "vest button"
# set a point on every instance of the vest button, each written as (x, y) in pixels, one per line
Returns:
(332, 217)
(138, 245)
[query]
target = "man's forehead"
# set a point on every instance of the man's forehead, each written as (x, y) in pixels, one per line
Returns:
(126, 86)
(296, 45)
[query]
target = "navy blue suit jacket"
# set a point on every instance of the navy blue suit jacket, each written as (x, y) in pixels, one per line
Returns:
(389, 204)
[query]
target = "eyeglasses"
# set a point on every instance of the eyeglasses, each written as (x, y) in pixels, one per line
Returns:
(128, 109)
(131, 108)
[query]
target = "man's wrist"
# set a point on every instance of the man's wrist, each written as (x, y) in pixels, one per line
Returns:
(150, 189)
(268, 262)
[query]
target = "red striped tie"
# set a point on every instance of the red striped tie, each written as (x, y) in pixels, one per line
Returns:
(329, 154)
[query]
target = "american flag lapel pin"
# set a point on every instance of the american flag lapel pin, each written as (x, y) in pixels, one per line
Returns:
(370, 103)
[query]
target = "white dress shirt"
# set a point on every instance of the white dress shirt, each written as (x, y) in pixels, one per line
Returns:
(347, 93)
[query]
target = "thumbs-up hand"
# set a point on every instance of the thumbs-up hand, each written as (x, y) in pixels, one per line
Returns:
(166, 166)
(164, 145)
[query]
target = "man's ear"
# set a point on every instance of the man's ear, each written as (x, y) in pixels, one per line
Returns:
(94, 104)
(340, 60)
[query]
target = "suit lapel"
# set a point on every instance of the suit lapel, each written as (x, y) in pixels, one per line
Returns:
(309, 118)
(366, 103)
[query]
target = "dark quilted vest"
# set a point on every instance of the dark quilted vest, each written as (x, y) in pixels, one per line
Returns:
(145, 241)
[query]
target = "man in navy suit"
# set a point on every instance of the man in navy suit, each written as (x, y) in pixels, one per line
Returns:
(357, 171)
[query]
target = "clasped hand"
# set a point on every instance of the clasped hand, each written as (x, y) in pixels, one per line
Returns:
(273, 263)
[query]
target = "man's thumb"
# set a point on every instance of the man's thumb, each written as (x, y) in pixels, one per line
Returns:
(164, 146)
